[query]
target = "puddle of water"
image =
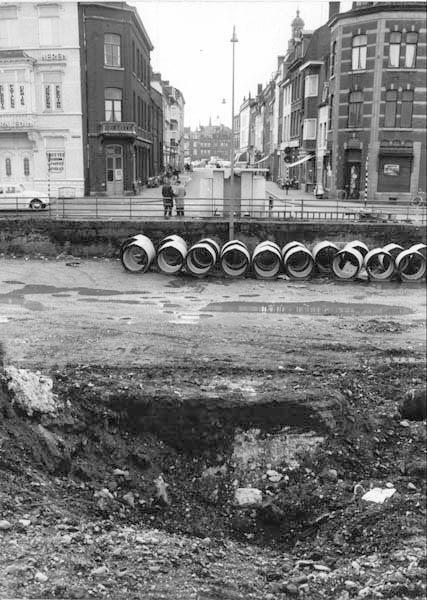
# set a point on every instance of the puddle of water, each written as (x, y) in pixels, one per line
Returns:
(20, 301)
(13, 282)
(61, 295)
(52, 289)
(308, 308)
(248, 295)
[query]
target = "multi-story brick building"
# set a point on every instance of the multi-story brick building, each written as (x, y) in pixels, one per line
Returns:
(377, 133)
(40, 102)
(208, 141)
(116, 97)
(173, 122)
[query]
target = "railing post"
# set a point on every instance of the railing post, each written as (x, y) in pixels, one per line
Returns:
(302, 208)
(130, 207)
(96, 206)
(63, 208)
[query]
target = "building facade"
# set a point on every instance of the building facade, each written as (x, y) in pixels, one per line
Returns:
(116, 97)
(41, 133)
(377, 135)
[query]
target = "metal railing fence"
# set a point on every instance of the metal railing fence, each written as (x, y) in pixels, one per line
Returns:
(143, 208)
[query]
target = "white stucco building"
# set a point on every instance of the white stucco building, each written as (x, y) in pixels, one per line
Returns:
(41, 141)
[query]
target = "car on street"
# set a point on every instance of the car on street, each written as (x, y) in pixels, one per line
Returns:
(18, 196)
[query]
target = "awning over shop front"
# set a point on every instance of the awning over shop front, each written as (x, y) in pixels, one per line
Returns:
(262, 160)
(300, 161)
(242, 157)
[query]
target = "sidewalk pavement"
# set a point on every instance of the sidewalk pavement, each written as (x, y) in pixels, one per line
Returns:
(272, 188)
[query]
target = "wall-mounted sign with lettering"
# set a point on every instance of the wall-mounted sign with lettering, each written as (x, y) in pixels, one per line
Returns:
(53, 56)
(56, 161)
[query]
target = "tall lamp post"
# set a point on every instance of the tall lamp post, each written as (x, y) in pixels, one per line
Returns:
(231, 209)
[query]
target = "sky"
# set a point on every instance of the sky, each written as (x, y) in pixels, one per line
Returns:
(192, 47)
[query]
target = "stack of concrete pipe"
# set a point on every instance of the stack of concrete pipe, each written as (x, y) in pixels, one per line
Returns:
(267, 261)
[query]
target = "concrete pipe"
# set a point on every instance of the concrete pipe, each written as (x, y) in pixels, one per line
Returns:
(298, 262)
(137, 253)
(235, 259)
(411, 265)
(266, 260)
(323, 254)
(290, 245)
(202, 257)
(347, 263)
(393, 249)
(421, 248)
(359, 246)
(379, 264)
(171, 254)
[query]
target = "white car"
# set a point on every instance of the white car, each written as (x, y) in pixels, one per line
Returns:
(17, 196)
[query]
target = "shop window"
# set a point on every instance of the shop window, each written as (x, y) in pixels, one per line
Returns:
(394, 173)
(309, 129)
(113, 104)
(406, 108)
(26, 167)
(394, 49)
(411, 49)
(390, 108)
(8, 165)
(358, 55)
(48, 31)
(112, 50)
(355, 109)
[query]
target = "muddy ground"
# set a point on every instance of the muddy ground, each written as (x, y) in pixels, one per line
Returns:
(169, 394)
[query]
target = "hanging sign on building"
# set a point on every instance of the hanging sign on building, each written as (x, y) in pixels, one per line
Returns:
(55, 161)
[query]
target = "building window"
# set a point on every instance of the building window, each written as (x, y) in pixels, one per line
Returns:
(8, 26)
(406, 110)
(133, 56)
(113, 104)
(8, 164)
(26, 167)
(309, 130)
(47, 97)
(333, 57)
(355, 109)
(12, 95)
(411, 49)
(394, 51)
(53, 96)
(358, 56)
(311, 85)
(48, 31)
(2, 104)
(390, 108)
(58, 98)
(112, 50)
(331, 104)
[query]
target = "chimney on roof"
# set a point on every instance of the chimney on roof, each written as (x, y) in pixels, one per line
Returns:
(259, 89)
(279, 61)
(334, 9)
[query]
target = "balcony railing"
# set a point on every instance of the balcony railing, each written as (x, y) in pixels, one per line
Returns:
(17, 121)
(118, 128)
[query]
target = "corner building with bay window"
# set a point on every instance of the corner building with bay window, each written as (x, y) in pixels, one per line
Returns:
(40, 100)
(116, 98)
(377, 85)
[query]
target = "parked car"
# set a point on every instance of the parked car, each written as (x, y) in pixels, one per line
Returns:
(19, 197)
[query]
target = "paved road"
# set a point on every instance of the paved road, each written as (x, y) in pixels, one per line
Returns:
(148, 205)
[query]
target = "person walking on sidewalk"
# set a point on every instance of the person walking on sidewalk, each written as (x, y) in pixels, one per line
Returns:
(167, 193)
(287, 185)
(179, 198)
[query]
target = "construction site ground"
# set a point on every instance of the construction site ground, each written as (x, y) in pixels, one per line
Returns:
(170, 393)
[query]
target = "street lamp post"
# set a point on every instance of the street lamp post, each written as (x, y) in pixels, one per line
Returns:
(231, 209)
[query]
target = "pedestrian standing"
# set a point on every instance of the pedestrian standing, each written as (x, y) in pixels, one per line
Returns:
(179, 198)
(167, 193)
(287, 185)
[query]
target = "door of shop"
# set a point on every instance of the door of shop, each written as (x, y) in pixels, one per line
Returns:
(114, 165)
(352, 180)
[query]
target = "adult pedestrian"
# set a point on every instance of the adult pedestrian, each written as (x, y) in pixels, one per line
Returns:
(167, 193)
(287, 185)
(179, 194)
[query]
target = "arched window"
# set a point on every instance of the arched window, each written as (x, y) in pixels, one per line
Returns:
(8, 164)
(112, 56)
(26, 167)
(113, 104)
(394, 51)
(358, 56)
(355, 109)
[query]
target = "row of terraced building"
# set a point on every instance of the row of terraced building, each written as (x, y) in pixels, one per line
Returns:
(344, 114)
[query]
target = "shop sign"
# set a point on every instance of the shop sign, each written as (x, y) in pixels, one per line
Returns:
(53, 56)
(392, 170)
(55, 161)
(119, 174)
